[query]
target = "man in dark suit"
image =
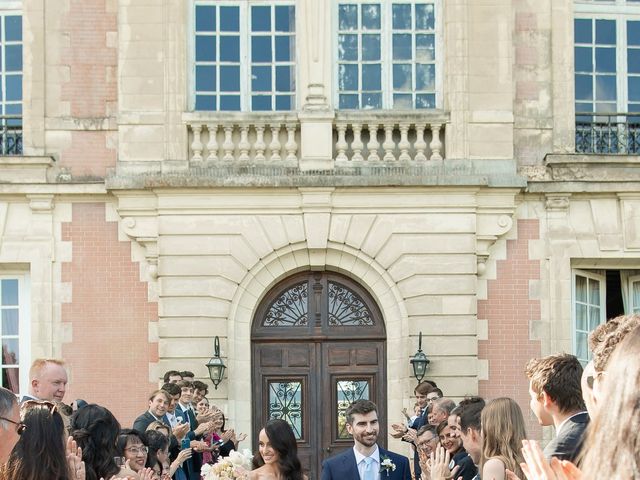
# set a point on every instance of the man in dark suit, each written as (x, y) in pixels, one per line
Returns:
(556, 399)
(366, 460)
(158, 403)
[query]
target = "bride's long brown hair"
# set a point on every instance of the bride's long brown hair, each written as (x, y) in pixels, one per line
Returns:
(612, 447)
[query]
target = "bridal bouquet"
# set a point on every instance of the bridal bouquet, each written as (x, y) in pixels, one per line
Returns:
(234, 467)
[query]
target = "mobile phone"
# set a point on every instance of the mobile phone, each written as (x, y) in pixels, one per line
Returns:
(217, 443)
(186, 443)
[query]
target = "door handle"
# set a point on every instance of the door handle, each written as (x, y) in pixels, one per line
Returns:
(327, 449)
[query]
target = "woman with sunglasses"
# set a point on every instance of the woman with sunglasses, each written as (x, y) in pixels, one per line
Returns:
(43, 439)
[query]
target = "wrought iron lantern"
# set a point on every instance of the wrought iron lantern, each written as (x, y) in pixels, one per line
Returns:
(215, 365)
(420, 362)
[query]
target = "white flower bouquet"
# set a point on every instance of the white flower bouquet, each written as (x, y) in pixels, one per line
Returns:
(234, 467)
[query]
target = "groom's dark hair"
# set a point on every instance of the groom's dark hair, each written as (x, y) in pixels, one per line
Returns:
(361, 407)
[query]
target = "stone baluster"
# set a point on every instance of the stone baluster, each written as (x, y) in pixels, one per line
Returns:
(436, 144)
(420, 145)
(196, 145)
(275, 146)
(388, 145)
(228, 146)
(212, 145)
(373, 144)
(341, 144)
(260, 146)
(291, 146)
(244, 144)
(404, 143)
(356, 144)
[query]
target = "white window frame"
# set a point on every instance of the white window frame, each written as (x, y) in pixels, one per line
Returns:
(9, 8)
(24, 326)
(621, 11)
(603, 314)
(632, 280)
(386, 51)
(245, 52)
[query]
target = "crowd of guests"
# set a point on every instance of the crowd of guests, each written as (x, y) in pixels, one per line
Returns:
(595, 412)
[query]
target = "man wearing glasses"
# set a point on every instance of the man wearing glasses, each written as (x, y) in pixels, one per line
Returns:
(10, 425)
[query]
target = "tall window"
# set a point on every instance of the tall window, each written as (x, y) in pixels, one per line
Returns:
(244, 56)
(10, 82)
(14, 361)
(387, 55)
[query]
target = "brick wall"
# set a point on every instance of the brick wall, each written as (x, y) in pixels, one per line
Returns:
(109, 354)
(509, 311)
(92, 87)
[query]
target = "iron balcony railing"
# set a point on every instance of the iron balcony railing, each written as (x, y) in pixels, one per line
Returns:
(10, 135)
(608, 133)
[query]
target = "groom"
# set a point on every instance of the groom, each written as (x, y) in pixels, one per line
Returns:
(365, 461)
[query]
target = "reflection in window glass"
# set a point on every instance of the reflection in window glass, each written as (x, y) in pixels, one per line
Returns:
(286, 403)
(232, 55)
(347, 392)
(9, 333)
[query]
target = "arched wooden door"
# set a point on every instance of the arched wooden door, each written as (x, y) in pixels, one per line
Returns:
(318, 343)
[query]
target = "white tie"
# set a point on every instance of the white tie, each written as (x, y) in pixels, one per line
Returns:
(368, 474)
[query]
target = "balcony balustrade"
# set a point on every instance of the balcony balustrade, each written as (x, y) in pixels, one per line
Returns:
(10, 135)
(608, 134)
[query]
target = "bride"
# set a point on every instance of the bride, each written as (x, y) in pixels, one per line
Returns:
(277, 457)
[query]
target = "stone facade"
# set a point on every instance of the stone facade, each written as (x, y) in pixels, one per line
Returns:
(146, 229)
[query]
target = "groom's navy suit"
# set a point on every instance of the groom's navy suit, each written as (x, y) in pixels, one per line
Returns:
(343, 466)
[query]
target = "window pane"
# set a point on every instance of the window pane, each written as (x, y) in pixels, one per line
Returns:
(205, 18)
(636, 296)
(10, 378)
(205, 102)
(260, 19)
(634, 90)
(606, 32)
(370, 17)
(261, 49)
(584, 87)
(14, 87)
(10, 351)
(371, 47)
(426, 100)
(229, 79)
(230, 103)
(594, 317)
(581, 289)
(261, 79)
(372, 77)
(583, 60)
(425, 17)
(348, 77)
(285, 48)
(347, 392)
(285, 19)
(284, 79)
(633, 33)
(425, 48)
(13, 58)
(605, 87)
(348, 102)
(260, 103)
(285, 402)
(205, 48)
(582, 31)
(425, 77)
(13, 28)
(348, 47)
(229, 19)
(402, 77)
(372, 100)
(10, 318)
(10, 292)
(581, 317)
(229, 48)
(401, 17)
(284, 102)
(605, 107)
(594, 292)
(402, 47)
(606, 60)
(348, 17)
(403, 102)
(205, 78)
(633, 60)
(582, 351)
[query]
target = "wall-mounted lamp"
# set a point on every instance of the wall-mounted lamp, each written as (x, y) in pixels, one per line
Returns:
(215, 365)
(420, 362)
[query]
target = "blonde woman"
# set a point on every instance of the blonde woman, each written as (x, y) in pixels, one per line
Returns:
(503, 431)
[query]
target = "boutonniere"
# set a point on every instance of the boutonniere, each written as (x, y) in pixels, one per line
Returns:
(386, 465)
